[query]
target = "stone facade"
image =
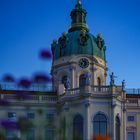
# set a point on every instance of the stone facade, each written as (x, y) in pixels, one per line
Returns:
(80, 105)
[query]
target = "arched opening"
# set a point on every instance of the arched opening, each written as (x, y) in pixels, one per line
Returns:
(78, 127)
(99, 83)
(118, 124)
(100, 125)
(82, 80)
(65, 80)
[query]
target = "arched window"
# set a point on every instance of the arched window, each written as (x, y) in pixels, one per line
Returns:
(100, 124)
(99, 84)
(78, 128)
(82, 80)
(117, 128)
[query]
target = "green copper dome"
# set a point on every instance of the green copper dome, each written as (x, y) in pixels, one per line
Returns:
(78, 40)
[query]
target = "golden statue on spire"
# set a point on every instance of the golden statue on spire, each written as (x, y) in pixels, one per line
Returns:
(78, 1)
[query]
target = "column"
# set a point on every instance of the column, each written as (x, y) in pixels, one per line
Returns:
(67, 121)
(87, 121)
(73, 78)
(113, 121)
(124, 122)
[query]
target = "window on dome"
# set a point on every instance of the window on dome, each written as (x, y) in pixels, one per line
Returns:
(78, 127)
(117, 128)
(100, 124)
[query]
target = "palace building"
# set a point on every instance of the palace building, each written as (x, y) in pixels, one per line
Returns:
(80, 105)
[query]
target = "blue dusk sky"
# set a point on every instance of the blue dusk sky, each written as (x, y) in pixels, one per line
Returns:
(27, 26)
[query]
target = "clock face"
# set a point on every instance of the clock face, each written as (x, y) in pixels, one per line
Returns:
(83, 63)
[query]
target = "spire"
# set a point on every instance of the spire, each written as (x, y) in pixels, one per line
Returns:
(78, 1)
(78, 16)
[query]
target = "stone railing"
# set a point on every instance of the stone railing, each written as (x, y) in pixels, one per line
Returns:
(28, 98)
(92, 90)
(42, 87)
(133, 91)
(133, 102)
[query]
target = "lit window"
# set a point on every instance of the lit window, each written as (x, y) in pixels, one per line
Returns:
(131, 136)
(30, 115)
(130, 118)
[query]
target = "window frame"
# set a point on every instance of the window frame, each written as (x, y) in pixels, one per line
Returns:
(134, 136)
(129, 119)
(99, 123)
(78, 121)
(29, 115)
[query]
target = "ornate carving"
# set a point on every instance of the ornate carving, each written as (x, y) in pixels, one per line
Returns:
(62, 40)
(83, 38)
(100, 41)
(112, 79)
(123, 85)
(53, 46)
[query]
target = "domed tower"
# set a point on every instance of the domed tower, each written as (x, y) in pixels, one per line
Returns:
(79, 77)
(78, 56)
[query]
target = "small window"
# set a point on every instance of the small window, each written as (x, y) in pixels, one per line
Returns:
(131, 136)
(130, 118)
(50, 116)
(12, 116)
(66, 81)
(30, 115)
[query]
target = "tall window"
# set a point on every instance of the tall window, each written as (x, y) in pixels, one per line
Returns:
(131, 136)
(99, 84)
(117, 128)
(100, 124)
(78, 128)
(82, 80)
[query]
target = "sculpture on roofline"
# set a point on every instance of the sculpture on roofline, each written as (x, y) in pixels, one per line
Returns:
(112, 79)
